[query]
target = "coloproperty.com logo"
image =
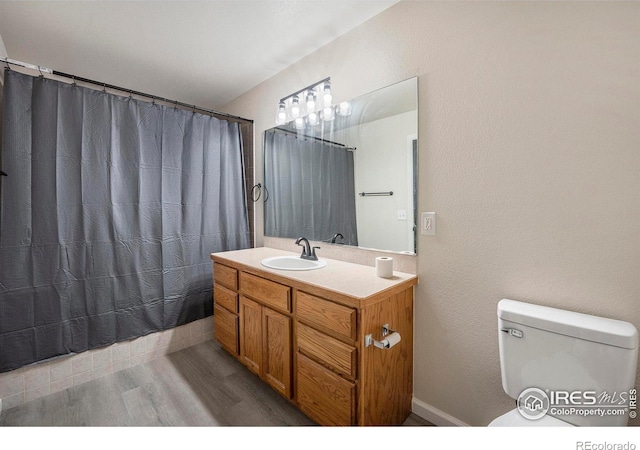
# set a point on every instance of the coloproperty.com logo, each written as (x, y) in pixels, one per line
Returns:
(535, 403)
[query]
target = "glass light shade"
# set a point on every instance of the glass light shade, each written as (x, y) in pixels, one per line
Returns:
(295, 107)
(281, 117)
(327, 98)
(327, 114)
(311, 101)
(344, 109)
(312, 119)
(298, 123)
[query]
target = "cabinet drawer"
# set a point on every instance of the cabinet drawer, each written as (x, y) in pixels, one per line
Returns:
(225, 298)
(324, 396)
(327, 316)
(226, 276)
(329, 351)
(266, 292)
(225, 329)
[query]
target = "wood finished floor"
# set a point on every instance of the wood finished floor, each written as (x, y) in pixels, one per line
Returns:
(197, 386)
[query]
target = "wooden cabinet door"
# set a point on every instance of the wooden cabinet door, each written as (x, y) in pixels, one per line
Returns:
(225, 329)
(251, 344)
(277, 350)
(265, 344)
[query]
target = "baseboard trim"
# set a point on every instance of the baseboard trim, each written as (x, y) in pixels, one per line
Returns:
(434, 415)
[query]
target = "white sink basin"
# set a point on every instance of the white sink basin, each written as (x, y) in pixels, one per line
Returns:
(292, 263)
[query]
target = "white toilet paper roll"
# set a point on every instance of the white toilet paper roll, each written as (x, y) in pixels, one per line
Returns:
(391, 340)
(384, 267)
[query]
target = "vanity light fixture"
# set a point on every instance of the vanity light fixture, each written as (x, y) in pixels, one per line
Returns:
(310, 105)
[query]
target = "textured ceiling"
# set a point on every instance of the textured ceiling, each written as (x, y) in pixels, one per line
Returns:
(205, 53)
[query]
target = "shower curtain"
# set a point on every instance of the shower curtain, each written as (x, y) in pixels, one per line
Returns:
(108, 216)
(311, 189)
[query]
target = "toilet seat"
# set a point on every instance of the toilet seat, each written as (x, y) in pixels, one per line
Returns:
(514, 419)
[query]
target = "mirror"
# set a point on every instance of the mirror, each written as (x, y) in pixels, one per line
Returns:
(351, 180)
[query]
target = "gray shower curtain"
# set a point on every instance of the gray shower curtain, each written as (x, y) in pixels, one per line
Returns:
(311, 189)
(108, 216)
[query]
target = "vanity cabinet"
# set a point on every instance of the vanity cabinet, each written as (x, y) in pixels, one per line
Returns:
(307, 334)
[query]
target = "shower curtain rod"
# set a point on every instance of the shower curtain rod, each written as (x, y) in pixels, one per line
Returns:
(315, 138)
(105, 86)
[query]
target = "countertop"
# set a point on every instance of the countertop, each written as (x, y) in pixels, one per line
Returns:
(353, 280)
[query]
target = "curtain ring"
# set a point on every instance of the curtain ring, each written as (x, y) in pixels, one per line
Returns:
(104, 88)
(130, 92)
(73, 81)
(266, 195)
(40, 70)
(8, 65)
(153, 100)
(175, 107)
(253, 196)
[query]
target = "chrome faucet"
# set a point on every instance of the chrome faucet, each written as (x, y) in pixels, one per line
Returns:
(335, 237)
(307, 251)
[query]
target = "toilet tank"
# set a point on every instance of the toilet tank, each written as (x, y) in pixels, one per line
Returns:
(581, 361)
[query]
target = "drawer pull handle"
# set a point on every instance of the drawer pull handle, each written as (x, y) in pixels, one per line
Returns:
(389, 338)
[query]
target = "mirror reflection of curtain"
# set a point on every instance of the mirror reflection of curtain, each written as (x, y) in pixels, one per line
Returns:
(109, 214)
(311, 189)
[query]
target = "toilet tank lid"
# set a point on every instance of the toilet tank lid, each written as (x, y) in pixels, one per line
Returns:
(582, 326)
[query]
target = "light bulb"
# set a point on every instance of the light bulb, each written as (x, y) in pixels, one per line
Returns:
(295, 107)
(281, 118)
(327, 95)
(299, 123)
(327, 114)
(344, 109)
(312, 119)
(311, 101)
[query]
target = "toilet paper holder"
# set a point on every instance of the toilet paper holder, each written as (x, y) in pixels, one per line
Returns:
(384, 343)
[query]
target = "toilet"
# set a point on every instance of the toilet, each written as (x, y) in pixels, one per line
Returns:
(565, 368)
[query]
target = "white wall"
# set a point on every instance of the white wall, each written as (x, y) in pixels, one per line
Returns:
(3, 54)
(529, 153)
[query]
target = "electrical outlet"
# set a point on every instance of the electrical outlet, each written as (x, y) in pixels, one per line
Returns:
(428, 223)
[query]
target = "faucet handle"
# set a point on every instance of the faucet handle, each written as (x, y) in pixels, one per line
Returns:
(313, 252)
